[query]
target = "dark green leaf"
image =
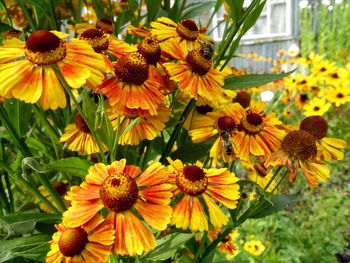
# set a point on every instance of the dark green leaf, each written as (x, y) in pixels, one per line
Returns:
(30, 164)
(36, 145)
(272, 206)
(74, 166)
(33, 247)
(191, 152)
(167, 246)
(19, 114)
(103, 125)
(4, 27)
(10, 220)
(252, 80)
(99, 8)
(152, 9)
(253, 17)
(198, 9)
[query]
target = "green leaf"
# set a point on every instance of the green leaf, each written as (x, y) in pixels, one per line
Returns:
(191, 152)
(167, 246)
(19, 113)
(103, 125)
(253, 17)
(30, 164)
(198, 9)
(4, 27)
(74, 166)
(272, 206)
(131, 124)
(253, 80)
(36, 145)
(152, 9)
(33, 247)
(10, 220)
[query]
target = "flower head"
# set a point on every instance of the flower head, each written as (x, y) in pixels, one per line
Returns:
(89, 242)
(123, 189)
(214, 185)
(254, 247)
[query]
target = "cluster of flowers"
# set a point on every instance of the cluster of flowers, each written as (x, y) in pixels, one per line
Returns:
(320, 86)
(136, 81)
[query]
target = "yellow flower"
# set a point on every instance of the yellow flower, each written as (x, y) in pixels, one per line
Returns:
(254, 247)
(316, 106)
(339, 95)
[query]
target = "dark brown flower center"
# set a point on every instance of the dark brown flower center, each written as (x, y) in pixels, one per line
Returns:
(299, 144)
(132, 68)
(204, 109)
(105, 25)
(96, 39)
(316, 108)
(150, 49)
(323, 69)
(73, 241)
(44, 48)
(42, 41)
(13, 33)
(188, 29)
(253, 122)
(119, 192)
(198, 63)
(335, 76)
(315, 125)
(192, 180)
(81, 124)
(242, 98)
(226, 123)
(260, 169)
(340, 95)
(303, 98)
(60, 187)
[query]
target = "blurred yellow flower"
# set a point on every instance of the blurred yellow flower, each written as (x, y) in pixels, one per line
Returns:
(254, 247)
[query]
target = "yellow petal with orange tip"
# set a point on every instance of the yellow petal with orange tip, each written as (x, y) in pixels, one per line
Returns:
(74, 73)
(198, 220)
(216, 215)
(158, 194)
(157, 216)
(53, 95)
(153, 175)
(181, 213)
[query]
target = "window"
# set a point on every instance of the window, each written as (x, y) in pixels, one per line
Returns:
(274, 21)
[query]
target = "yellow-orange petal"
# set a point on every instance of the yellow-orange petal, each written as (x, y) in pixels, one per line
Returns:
(157, 216)
(81, 212)
(181, 213)
(216, 215)
(158, 194)
(153, 175)
(198, 220)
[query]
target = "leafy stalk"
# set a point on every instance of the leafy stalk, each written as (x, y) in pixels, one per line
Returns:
(177, 129)
(91, 128)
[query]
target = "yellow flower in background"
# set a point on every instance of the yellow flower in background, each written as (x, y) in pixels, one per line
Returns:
(322, 68)
(339, 95)
(79, 138)
(60, 187)
(316, 106)
(213, 185)
(254, 247)
(259, 174)
(89, 242)
(287, 113)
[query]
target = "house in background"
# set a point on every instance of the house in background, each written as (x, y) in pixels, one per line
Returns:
(276, 29)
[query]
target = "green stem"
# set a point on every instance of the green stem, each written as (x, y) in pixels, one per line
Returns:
(27, 185)
(78, 13)
(91, 128)
(5, 203)
(40, 113)
(199, 251)
(279, 182)
(53, 19)
(27, 15)
(177, 129)
(10, 193)
(27, 153)
(7, 12)
(273, 178)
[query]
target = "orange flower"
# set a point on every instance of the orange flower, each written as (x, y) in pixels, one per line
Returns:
(213, 185)
(298, 149)
(26, 71)
(79, 138)
(164, 29)
(90, 242)
(134, 88)
(257, 132)
(119, 188)
(147, 128)
(327, 148)
(195, 75)
(227, 245)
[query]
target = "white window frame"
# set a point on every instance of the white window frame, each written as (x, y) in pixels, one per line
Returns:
(268, 35)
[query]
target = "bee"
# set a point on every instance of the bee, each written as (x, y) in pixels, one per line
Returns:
(226, 142)
(207, 49)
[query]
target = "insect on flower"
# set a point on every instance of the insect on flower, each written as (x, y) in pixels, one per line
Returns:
(226, 142)
(207, 49)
